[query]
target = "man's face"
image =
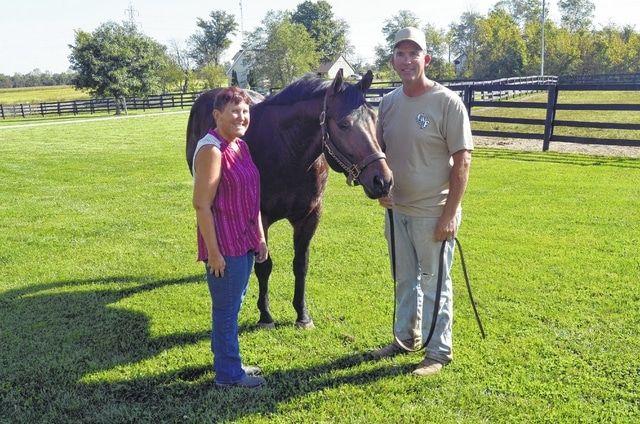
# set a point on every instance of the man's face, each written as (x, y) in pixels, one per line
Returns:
(409, 61)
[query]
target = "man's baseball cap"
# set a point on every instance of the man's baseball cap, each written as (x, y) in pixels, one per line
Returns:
(411, 34)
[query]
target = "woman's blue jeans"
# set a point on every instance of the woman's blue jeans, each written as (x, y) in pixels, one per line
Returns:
(227, 293)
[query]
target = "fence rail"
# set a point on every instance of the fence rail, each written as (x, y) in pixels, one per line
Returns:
(494, 93)
(474, 94)
(75, 107)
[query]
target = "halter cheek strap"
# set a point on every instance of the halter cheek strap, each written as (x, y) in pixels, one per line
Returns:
(353, 170)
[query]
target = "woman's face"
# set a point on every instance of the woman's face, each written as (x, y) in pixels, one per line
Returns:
(233, 121)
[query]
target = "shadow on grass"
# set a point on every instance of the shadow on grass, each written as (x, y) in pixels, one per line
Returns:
(561, 158)
(52, 338)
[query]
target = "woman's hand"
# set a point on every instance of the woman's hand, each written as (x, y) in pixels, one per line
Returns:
(263, 251)
(216, 265)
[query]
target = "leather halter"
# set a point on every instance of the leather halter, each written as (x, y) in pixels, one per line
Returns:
(329, 147)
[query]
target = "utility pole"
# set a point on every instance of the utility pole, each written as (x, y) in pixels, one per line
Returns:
(542, 47)
(241, 25)
(131, 14)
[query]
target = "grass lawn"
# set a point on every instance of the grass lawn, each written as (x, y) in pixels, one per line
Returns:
(104, 314)
(9, 96)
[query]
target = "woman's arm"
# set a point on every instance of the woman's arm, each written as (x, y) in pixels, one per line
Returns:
(205, 186)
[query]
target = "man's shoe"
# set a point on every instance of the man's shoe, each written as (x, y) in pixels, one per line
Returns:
(247, 382)
(387, 351)
(428, 367)
(251, 370)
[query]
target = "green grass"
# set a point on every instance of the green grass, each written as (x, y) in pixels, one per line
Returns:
(104, 314)
(566, 97)
(56, 93)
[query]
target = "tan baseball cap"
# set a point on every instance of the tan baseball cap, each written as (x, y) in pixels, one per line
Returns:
(412, 34)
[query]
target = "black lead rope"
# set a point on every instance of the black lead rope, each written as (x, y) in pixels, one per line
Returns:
(436, 306)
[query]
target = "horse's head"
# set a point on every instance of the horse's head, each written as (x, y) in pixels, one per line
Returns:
(349, 136)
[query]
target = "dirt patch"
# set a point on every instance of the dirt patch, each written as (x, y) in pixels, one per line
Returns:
(536, 146)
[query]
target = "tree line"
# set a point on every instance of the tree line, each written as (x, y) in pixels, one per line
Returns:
(507, 41)
(118, 60)
(35, 78)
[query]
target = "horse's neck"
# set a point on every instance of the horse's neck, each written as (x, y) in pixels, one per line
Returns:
(298, 130)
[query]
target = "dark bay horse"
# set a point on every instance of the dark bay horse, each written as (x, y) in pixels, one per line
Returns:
(287, 136)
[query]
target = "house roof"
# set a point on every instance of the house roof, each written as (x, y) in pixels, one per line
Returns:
(325, 66)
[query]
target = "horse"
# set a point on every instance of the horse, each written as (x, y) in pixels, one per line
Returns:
(287, 136)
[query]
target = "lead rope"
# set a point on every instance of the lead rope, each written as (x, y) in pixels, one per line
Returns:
(436, 306)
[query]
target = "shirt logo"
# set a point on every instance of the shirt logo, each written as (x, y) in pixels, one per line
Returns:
(422, 120)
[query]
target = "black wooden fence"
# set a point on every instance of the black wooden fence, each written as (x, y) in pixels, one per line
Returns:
(75, 107)
(550, 123)
(491, 94)
(494, 94)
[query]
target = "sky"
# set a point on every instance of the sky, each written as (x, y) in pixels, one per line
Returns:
(37, 33)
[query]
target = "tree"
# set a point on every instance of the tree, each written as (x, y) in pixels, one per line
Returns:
(437, 46)
(234, 78)
(279, 51)
(403, 19)
(180, 56)
(116, 60)
(170, 74)
(501, 50)
(212, 37)
(522, 11)
(329, 33)
(576, 15)
(464, 40)
(212, 76)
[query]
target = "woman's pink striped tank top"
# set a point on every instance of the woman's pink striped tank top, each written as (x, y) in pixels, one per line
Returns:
(236, 205)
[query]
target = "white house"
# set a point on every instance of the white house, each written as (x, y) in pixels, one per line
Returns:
(330, 69)
(239, 65)
(459, 63)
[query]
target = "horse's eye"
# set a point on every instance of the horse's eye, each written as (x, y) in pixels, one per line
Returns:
(344, 125)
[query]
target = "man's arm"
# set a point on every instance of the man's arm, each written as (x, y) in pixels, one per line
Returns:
(458, 177)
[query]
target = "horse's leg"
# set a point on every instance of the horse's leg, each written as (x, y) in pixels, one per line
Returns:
(263, 271)
(303, 231)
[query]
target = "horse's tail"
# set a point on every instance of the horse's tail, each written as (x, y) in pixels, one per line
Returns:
(200, 120)
(188, 147)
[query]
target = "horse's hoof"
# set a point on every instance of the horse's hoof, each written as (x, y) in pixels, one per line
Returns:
(267, 325)
(305, 325)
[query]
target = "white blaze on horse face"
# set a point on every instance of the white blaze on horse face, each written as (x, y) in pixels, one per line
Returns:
(233, 121)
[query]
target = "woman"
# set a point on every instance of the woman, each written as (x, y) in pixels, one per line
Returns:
(226, 197)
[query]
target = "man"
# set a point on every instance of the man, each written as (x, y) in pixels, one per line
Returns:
(425, 131)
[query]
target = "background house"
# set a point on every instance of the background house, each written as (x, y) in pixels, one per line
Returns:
(330, 69)
(459, 63)
(239, 65)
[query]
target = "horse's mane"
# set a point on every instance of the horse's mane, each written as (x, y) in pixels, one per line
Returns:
(309, 87)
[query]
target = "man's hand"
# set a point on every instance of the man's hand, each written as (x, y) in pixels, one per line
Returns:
(445, 228)
(386, 202)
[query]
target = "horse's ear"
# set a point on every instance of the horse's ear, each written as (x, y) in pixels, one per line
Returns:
(366, 81)
(336, 85)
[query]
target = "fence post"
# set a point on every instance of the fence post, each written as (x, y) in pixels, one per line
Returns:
(552, 102)
(2, 111)
(75, 107)
(91, 107)
(22, 109)
(467, 98)
(42, 109)
(162, 101)
(108, 109)
(181, 100)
